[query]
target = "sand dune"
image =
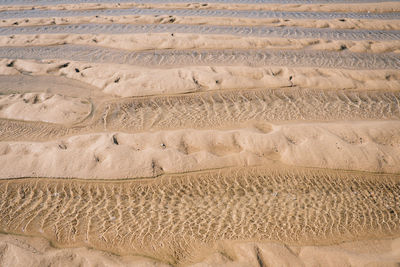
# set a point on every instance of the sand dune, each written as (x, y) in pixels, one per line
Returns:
(223, 133)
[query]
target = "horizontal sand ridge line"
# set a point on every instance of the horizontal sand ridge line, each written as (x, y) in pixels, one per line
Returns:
(372, 146)
(325, 59)
(227, 21)
(82, 79)
(56, 2)
(37, 251)
(37, 13)
(216, 109)
(287, 32)
(381, 7)
(173, 217)
(190, 41)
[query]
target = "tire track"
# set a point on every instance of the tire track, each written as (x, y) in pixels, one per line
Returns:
(217, 109)
(173, 216)
(36, 13)
(287, 32)
(325, 59)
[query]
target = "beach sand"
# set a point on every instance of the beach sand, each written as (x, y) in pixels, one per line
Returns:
(200, 134)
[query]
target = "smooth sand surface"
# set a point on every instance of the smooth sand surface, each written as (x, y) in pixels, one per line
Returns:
(159, 134)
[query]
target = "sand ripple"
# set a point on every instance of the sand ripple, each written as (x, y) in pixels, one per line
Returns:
(171, 217)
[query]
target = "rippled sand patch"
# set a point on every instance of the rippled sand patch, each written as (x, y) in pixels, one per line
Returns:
(171, 217)
(216, 109)
(171, 58)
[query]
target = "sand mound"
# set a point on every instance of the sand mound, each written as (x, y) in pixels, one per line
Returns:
(347, 23)
(127, 81)
(44, 107)
(21, 251)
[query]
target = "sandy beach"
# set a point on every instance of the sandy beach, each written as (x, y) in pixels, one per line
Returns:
(218, 133)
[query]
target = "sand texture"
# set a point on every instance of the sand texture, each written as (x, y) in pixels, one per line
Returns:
(220, 133)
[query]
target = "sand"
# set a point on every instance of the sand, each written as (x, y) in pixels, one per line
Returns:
(389, 6)
(38, 252)
(140, 42)
(347, 23)
(169, 134)
(365, 146)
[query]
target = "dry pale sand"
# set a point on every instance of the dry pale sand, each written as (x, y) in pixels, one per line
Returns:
(346, 23)
(190, 134)
(140, 42)
(23, 251)
(389, 6)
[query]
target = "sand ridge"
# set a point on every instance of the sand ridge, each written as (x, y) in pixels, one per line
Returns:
(130, 81)
(38, 251)
(167, 19)
(331, 7)
(367, 146)
(215, 109)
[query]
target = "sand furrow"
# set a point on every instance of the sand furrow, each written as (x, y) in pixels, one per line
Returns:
(222, 109)
(257, 31)
(188, 41)
(37, 13)
(54, 2)
(174, 216)
(325, 59)
(218, 109)
(379, 7)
